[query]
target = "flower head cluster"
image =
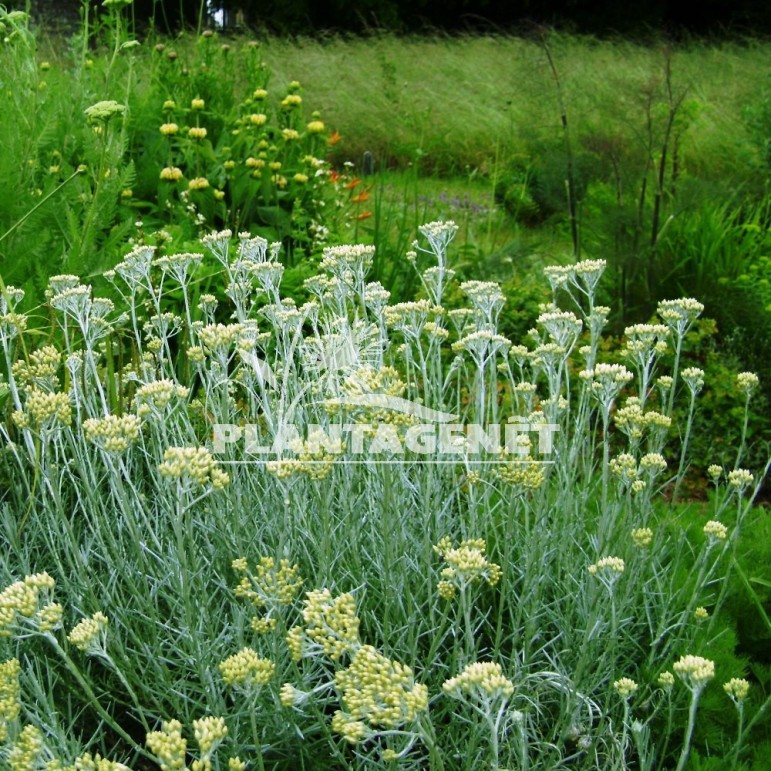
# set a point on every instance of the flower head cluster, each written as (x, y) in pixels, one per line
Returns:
(738, 689)
(246, 669)
(24, 598)
(680, 314)
(715, 531)
(89, 635)
(609, 568)
(466, 564)
(625, 687)
(747, 382)
(156, 396)
(606, 381)
(269, 586)
(169, 746)
(482, 681)
(379, 691)
(694, 379)
(41, 369)
(10, 691)
(694, 671)
(113, 433)
(330, 622)
(739, 479)
(193, 463)
(209, 733)
(439, 234)
(28, 750)
(642, 537)
(45, 410)
(523, 475)
(219, 336)
(103, 111)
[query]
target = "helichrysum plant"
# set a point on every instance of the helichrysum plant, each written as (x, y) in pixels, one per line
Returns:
(348, 529)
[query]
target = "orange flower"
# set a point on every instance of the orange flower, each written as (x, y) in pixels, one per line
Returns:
(334, 176)
(334, 139)
(353, 183)
(361, 197)
(365, 215)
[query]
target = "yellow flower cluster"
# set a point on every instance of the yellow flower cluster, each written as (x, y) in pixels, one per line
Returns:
(677, 313)
(625, 687)
(715, 531)
(157, 395)
(219, 336)
(737, 688)
(524, 475)
(380, 691)
(665, 680)
(481, 680)
(87, 762)
(633, 421)
(270, 583)
(25, 755)
(198, 183)
(40, 370)
(10, 690)
(701, 614)
(694, 671)
(739, 478)
(624, 466)
(247, 669)
(466, 564)
(89, 634)
(352, 731)
(642, 537)
(45, 409)
(168, 746)
(195, 463)
(171, 174)
(114, 434)
(608, 565)
(330, 622)
(23, 598)
(747, 382)
(209, 733)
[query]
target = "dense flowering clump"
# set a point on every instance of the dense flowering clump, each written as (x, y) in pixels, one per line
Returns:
(331, 622)
(380, 691)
